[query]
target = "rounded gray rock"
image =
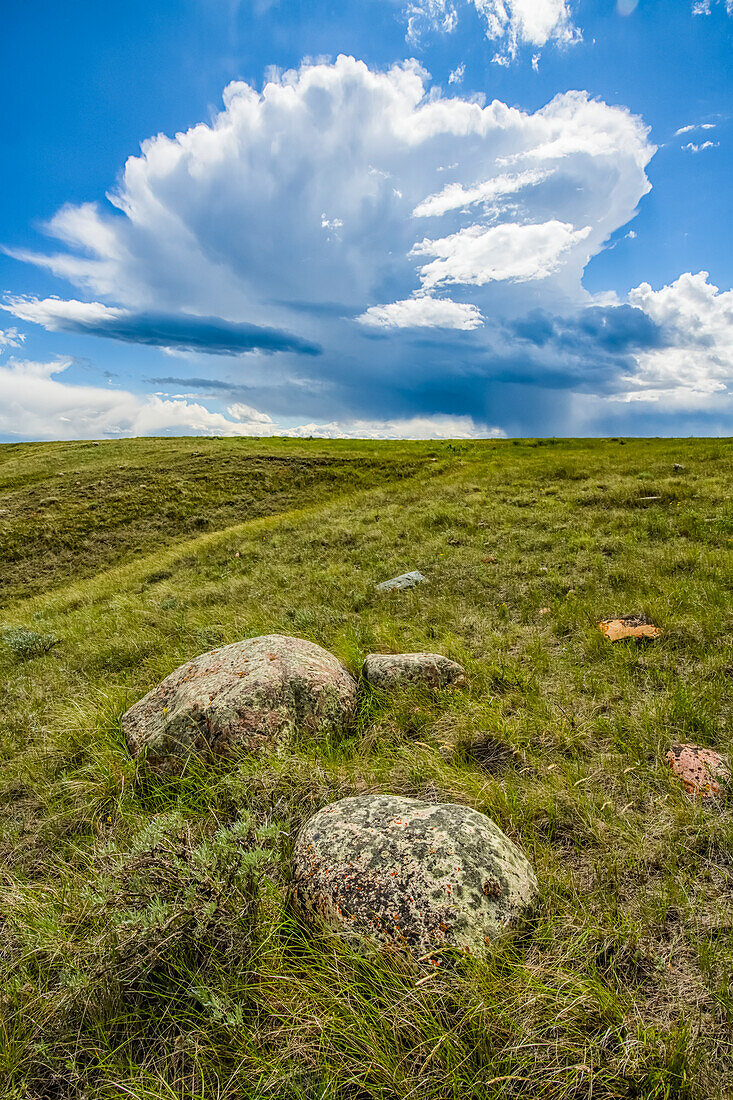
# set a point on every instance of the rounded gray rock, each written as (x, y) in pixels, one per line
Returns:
(431, 670)
(405, 580)
(410, 873)
(254, 692)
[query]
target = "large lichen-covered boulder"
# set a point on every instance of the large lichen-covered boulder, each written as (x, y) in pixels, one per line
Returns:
(431, 670)
(410, 873)
(251, 693)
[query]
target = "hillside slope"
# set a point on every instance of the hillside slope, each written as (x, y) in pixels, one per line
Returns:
(148, 948)
(70, 509)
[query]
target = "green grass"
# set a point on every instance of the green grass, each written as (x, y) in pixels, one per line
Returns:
(147, 946)
(70, 509)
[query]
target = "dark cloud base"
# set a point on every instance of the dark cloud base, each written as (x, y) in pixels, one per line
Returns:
(616, 330)
(519, 375)
(530, 375)
(186, 332)
(204, 385)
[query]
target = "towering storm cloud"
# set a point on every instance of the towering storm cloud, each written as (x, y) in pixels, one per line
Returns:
(364, 241)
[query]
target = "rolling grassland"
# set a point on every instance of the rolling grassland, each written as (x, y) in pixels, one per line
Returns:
(148, 947)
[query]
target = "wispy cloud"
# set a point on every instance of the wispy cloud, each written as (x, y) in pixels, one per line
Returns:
(694, 126)
(704, 7)
(11, 338)
(455, 196)
(511, 24)
(691, 147)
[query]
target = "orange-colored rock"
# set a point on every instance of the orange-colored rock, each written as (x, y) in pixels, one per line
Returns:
(629, 626)
(701, 770)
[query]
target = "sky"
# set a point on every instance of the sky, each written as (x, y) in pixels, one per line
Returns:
(366, 218)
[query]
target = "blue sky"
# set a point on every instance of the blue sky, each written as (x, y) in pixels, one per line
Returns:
(419, 218)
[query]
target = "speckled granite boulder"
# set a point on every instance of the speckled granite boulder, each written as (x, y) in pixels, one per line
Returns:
(410, 874)
(388, 670)
(254, 692)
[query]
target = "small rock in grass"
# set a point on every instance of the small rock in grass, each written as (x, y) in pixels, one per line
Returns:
(410, 874)
(405, 580)
(388, 670)
(251, 693)
(628, 626)
(701, 770)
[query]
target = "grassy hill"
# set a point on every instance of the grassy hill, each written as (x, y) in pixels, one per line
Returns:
(147, 947)
(69, 509)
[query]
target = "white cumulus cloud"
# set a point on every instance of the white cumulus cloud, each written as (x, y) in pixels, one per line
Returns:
(515, 23)
(416, 427)
(55, 313)
(423, 312)
(331, 160)
(248, 415)
(696, 362)
(36, 404)
(519, 253)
